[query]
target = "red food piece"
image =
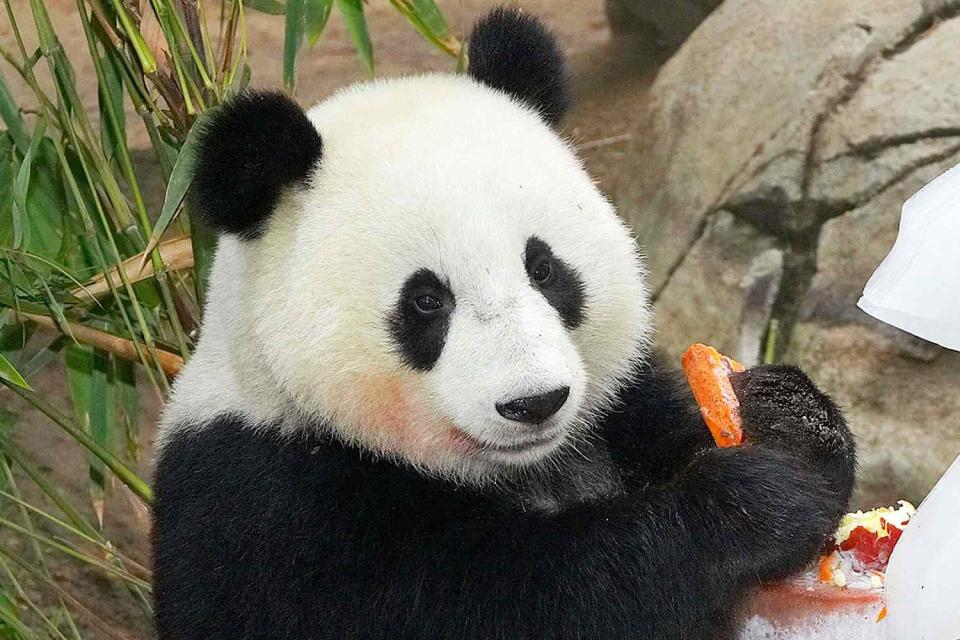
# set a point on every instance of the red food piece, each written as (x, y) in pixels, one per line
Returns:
(871, 550)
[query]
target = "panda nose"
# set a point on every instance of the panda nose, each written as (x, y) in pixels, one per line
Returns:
(534, 409)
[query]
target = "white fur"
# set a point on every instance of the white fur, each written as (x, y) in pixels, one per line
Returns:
(434, 172)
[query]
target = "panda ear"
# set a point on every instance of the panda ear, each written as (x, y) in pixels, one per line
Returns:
(512, 51)
(250, 149)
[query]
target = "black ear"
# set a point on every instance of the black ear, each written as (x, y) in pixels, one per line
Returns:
(250, 149)
(514, 52)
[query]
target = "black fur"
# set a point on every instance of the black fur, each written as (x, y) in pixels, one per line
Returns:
(514, 52)
(563, 289)
(258, 537)
(421, 338)
(251, 148)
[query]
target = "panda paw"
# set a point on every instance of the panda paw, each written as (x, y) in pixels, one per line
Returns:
(782, 409)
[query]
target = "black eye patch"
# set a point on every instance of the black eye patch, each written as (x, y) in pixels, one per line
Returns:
(559, 283)
(420, 327)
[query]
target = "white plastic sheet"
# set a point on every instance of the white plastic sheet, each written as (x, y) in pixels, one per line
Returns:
(923, 579)
(917, 287)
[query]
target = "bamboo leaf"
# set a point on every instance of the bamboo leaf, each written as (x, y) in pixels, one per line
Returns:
(352, 12)
(11, 375)
(113, 138)
(317, 12)
(292, 38)
(91, 390)
(271, 7)
(204, 242)
(21, 185)
(128, 404)
(180, 179)
(427, 18)
(10, 114)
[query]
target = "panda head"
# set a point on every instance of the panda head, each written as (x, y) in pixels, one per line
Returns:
(421, 264)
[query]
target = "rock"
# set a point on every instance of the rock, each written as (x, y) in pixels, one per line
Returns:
(899, 391)
(904, 412)
(722, 293)
(671, 22)
(738, 104)
(781, 140)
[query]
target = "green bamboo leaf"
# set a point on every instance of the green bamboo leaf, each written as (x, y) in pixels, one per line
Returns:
(10, 115)
(180, 179)
(204, 243)
(8, 169)
(316, 16)
(89, 374)
(11, 375)
(127, 404)
(240, 81)
(21, 186)
(352, 12)
(33, 204)
(111, 89)
(292, 38)
(271, 7)
(427, 18)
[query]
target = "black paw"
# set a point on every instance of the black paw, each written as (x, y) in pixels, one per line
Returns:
(783, 410)
(775, 511)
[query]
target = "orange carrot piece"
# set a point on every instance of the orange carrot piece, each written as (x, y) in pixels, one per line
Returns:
(708, 373)
(827, 563)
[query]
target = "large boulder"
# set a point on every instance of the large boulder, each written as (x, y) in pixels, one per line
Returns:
(765, 185)
(671, 22)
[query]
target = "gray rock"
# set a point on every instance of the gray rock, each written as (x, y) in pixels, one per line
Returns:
(739, 102)
(669, 20)
(722, 292)
(765, 184)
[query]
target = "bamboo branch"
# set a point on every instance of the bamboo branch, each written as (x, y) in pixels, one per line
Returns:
(176, 255)
(171, 363)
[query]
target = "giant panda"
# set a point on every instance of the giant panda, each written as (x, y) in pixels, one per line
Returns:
(424, 402)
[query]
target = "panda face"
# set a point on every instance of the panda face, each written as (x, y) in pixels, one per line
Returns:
(419, 265)
(448, 287)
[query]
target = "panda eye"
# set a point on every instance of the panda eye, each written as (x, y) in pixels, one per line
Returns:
(541, 271)
(427, 304)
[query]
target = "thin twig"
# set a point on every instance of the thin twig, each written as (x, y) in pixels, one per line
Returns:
(603, 142)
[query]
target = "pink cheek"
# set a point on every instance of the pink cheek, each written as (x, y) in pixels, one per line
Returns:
(460, 442)
(389, 409)
(390, 415)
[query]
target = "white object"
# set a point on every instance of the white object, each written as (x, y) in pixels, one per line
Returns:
(923, 578)
(916, 287)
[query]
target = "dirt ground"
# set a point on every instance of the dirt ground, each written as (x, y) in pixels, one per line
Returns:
(611, 78)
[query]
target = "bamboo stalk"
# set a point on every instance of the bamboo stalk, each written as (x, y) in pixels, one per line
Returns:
(176, 254)
(171, 363)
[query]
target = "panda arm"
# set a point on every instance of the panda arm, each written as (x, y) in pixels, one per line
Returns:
(668, 562)
(655, 427)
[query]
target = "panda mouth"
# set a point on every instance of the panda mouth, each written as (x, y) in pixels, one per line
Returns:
(520, 447)
(545, 440)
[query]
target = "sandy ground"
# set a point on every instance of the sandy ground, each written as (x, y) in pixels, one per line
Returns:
(611, 78)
